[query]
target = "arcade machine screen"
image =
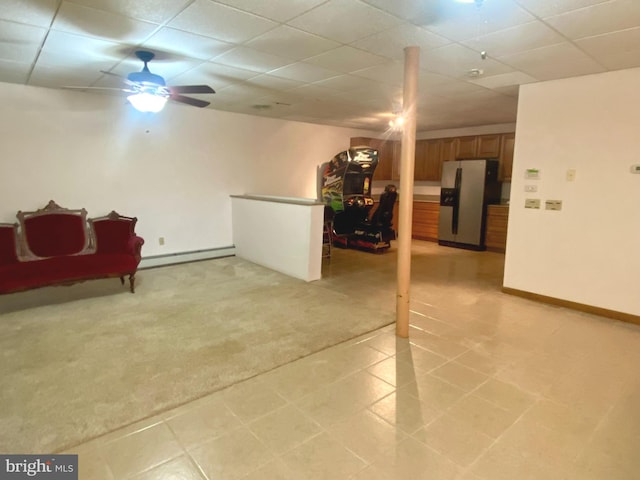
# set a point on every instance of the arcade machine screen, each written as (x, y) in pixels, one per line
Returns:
(356, 184)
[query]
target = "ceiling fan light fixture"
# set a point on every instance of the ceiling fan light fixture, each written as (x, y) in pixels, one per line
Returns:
(147, 102)
(397, 122)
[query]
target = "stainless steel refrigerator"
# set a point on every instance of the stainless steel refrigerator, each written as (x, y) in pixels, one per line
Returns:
(468, 186)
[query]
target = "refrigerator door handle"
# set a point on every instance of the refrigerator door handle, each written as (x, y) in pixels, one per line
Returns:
(456, 206)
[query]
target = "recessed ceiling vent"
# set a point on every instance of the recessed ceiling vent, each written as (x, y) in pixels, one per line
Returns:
(475, 73)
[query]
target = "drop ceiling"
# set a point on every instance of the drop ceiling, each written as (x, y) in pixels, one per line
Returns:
(335, 62)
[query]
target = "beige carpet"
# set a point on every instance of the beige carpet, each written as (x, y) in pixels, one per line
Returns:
(80, 361)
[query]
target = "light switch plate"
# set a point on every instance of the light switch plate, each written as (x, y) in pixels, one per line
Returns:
(571, 175)
(530, 188)
(553, 205)
(531, 203)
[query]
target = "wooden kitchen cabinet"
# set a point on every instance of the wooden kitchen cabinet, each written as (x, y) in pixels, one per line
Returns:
(496, 231)
(488, 146)
(448, 149)
(467, 147)
(507, 144)
(420, 172)
(428, 160)
(430, 154)
(426, 216)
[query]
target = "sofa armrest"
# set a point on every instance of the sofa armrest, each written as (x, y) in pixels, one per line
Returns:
(135, 246)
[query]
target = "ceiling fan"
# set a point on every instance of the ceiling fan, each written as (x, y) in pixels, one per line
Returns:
(149, 92)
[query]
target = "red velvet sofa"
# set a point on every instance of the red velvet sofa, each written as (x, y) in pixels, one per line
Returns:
(59, 246)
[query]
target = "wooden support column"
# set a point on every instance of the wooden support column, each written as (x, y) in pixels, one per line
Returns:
(407, 166)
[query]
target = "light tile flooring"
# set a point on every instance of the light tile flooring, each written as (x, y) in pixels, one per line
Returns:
(488, 387)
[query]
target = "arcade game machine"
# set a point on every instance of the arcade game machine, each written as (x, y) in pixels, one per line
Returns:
(346, 189)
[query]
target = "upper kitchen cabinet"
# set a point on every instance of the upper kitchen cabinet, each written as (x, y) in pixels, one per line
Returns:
(448, 149)
(488, 146)
(467, 147)
(388, 161)
(507, 144)
(428, 160)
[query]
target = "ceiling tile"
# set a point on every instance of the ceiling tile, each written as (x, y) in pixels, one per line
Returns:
(405, 9)
(279, 10)
(250, 59)
(614, 50)
(456, 60)
(304, 72)
(343, 82)
(155, 11)
(314, 92)
(221, 22)
(452, 88)
(597, 19)
(292, 43)
(67, 49)
(33, 12)
(14, 72)
(390, 73)
(274, 83)
(391, 43)
(186, 44)
(346, 59)
(215, 75)
(344, 21)
(241, 93)
(515, 39)
(86, 21)
(556, 61)
(504, 80)
(57, 75)
(19, 42)
(546, 8)
(461, 21)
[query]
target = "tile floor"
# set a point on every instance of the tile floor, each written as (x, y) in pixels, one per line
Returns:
(488, 387)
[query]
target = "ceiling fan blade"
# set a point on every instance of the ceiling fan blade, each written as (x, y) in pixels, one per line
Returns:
(189, 101)
(192, 89)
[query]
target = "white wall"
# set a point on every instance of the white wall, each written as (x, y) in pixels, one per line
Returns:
(174, 170)
(589, 251)
(279, 233)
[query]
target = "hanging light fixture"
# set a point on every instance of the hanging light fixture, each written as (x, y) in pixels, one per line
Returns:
(397, 122)
(147, 102)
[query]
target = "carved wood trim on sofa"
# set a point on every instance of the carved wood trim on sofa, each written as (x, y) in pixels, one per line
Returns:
(52, 208)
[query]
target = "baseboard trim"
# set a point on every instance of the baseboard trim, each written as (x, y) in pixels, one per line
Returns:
(603, 312)
(184, 257)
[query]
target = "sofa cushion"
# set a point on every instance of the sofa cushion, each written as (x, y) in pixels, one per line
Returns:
(55, 234)
(64, 269)
(112, 236)
(8, 247)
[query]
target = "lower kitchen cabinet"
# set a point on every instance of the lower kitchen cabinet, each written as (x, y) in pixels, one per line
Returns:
(425, 220)
(496, 232)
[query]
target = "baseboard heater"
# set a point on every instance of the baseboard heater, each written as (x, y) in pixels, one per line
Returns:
(184, 257)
